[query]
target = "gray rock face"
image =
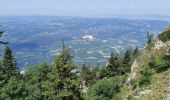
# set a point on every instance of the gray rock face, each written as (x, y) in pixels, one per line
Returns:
(133, 73)
(144, 92)
(167, 90)
(160, 44)
(167, 97)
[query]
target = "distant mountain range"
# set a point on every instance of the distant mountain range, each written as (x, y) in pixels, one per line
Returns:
(91, 40)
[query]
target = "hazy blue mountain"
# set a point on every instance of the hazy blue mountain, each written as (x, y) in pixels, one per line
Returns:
(91, 40)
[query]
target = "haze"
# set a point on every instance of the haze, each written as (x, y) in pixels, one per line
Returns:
(88, 8)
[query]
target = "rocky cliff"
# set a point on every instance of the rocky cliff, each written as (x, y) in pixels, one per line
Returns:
(150, 72)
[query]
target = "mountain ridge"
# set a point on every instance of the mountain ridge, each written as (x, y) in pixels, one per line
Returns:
(159, 86)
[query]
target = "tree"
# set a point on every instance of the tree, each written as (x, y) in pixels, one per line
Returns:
(149, 37)
(89, 75)
(127, 61)
(103, 73)
(36, 79)
(64, 77)
(114, 65)
(2, 78)
(9, 64)
(135, 52)
(15, 89)
(10, 87)
(96, 71)
(8, 69)
(1, 33)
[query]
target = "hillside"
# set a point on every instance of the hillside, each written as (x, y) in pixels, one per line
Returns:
(150, 72)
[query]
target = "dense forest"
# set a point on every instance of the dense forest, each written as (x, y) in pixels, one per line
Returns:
(62, 80)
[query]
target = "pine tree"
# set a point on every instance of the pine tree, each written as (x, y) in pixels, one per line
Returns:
(103, 73)
(149, 37)
(37, 80)
(85, 73)
(89, 75)
(2, 78)
(110, 67)
(8, 72)
(135, 52)
(1, 32)
(1, 67)
(114, 65)
(127, 61)
(2, 42)
(96, 71)
(64, 78)
(9, 64)
(15, 89)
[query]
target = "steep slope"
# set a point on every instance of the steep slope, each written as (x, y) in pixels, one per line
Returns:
(150, 72)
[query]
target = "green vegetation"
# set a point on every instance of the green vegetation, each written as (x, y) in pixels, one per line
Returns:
(61, 80)
(89, 75)
(149, 37)
(114, 66)
(165, 36)
(2, 42)
(127, 61)
(145, 79)
(152, 74)
(105, 89)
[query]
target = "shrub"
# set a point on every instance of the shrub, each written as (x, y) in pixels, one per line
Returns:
(130, 97)
(165, 36)
(160, 65)
(105, 89)
(146, 77)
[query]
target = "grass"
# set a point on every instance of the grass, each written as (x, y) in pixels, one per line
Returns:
(159, 80)
(158, 85)
(165, 36)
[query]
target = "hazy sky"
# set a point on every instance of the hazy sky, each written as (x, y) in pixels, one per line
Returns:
(85, 7)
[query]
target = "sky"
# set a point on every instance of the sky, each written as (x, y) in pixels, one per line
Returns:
(88, 8)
